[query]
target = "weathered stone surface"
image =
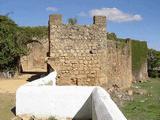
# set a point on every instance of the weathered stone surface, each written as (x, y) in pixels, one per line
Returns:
(83, 56)
(35, 60)
(79, 53)
(141, 74)
(130, 92)
(119, 64)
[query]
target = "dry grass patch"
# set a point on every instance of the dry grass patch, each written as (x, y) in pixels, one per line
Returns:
(7, 103)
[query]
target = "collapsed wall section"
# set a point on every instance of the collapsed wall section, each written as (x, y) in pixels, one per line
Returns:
(34, 61)
(78, 53)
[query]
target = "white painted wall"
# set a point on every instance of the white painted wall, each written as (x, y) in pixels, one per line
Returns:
(61, 101)
(79, 102)
(103, 106)
(50, 79)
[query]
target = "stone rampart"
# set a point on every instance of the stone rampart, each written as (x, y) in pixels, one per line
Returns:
(82, 55)
(78, 53)
(119, 64)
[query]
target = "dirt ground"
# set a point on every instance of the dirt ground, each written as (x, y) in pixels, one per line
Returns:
(11, 85)
(7, 106)
(8, 89)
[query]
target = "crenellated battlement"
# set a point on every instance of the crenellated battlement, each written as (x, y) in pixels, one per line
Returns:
(81, 54)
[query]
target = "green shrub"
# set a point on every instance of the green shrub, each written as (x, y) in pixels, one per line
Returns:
(72, 21)
(12, 45)
(36, 32)
(111, 36)
(14, 40)
(153, 73)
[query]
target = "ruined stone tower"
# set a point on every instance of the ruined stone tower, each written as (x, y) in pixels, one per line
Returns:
(82, 55)
(77, 52)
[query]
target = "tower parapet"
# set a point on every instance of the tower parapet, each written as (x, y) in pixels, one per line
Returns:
(99, 20)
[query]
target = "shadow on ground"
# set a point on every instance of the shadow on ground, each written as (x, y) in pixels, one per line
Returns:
(35, 75)
(13, 110)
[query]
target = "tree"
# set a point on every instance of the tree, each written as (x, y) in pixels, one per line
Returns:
(111, 36)
(154, 59)
(72, 21)
(153, 62)
(14, 40)
(11, 45)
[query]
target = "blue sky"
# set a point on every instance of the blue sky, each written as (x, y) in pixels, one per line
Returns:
(137, 19)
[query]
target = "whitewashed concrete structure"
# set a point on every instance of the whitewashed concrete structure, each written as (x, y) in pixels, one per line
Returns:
(43, 100)
(50, 79)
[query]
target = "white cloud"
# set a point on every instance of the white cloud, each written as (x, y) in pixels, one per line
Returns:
(116, 15)
(53, 9)
(82, 14)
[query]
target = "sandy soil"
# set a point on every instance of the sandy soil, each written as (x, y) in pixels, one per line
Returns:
(8, 89)
(11, 85)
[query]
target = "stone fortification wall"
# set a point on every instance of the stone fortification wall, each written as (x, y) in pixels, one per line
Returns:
(119, 64)
(82, 55)
(78, 53)
(141, 74)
